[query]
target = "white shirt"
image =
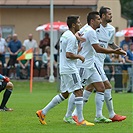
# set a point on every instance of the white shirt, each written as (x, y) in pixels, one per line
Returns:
(105, 36)
(2, 45)
(87, 49)
(68, 43)
(30, 44)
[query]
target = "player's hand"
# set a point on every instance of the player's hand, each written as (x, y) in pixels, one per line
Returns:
(6, 79)
(82, 39)
(120, 51)
(82, 58)
(124, 53)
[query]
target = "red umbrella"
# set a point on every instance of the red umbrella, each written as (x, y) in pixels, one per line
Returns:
(61, 26)
(128, 32)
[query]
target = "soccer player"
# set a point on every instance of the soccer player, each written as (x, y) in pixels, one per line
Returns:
(87, 70)
(70, 79)
(6, 85)
(105, 36)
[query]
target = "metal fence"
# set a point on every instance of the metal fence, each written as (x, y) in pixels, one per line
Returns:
(117, 78)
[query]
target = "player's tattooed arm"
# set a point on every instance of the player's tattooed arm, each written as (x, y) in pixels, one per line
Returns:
(113, 46)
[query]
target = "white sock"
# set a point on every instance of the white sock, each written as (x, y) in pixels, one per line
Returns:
(55, 101)
(71, 105)
(86, 95)
(109, 102)
(99, 99)
(79, 108)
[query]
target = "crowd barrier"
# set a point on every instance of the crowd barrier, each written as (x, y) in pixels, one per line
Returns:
(118, 76)
(116, 79)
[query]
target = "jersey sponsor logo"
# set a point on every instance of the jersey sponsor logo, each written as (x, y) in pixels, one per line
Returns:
(102, 41)
(109, 33)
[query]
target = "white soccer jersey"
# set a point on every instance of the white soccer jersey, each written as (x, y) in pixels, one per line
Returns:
(2, 45)
(87, 49)
(68, 43)
(105, 36)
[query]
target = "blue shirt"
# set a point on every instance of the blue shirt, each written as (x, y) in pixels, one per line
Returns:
(124, 42)
(14, 45)
(130, 55)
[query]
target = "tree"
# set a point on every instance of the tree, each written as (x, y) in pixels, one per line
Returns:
(127, 8)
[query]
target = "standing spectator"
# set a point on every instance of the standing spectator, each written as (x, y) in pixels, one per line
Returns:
(2, 53)
(8, 39)
(31, 43)
(14, 47)
(23, 66)
(45, 42)
(127, 41)
(129, 59)
(124, 69)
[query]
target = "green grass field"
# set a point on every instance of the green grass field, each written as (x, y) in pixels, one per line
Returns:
(23, 119)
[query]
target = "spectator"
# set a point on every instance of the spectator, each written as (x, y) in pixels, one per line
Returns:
(23, 66)
(2, 53)
(46, 61)
(124, 69)
(8, 39)
(117, 70)
(129, 59)
(108, 68)
(31, 43)
(14, 47)
(45, 42)
(127, 41)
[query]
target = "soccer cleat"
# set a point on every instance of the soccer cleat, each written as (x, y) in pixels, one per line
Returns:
(85, 123)
(118, 118)
(75, 118)
(102, 120)
(41, 117)
(6, 109)
(69, 120)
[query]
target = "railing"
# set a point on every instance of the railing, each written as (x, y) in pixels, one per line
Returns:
(119, 75)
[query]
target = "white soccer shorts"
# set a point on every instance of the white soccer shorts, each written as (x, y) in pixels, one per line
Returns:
(89, 76)
(70, 82)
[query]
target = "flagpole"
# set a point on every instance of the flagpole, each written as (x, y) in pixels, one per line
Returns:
(51, 78)
(31, 74)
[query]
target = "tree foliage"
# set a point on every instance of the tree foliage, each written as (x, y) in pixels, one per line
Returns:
(127, 8)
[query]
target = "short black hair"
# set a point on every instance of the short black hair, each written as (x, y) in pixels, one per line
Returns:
(103, 10)
(72, 19)
(92, 15)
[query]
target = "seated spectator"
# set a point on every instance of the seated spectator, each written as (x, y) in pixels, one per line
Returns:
(45, 42)
(46, 61)
(14, 48)
(108, 68)
(23, 66)
(129, 59)
(127, 41)
(117, 72)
